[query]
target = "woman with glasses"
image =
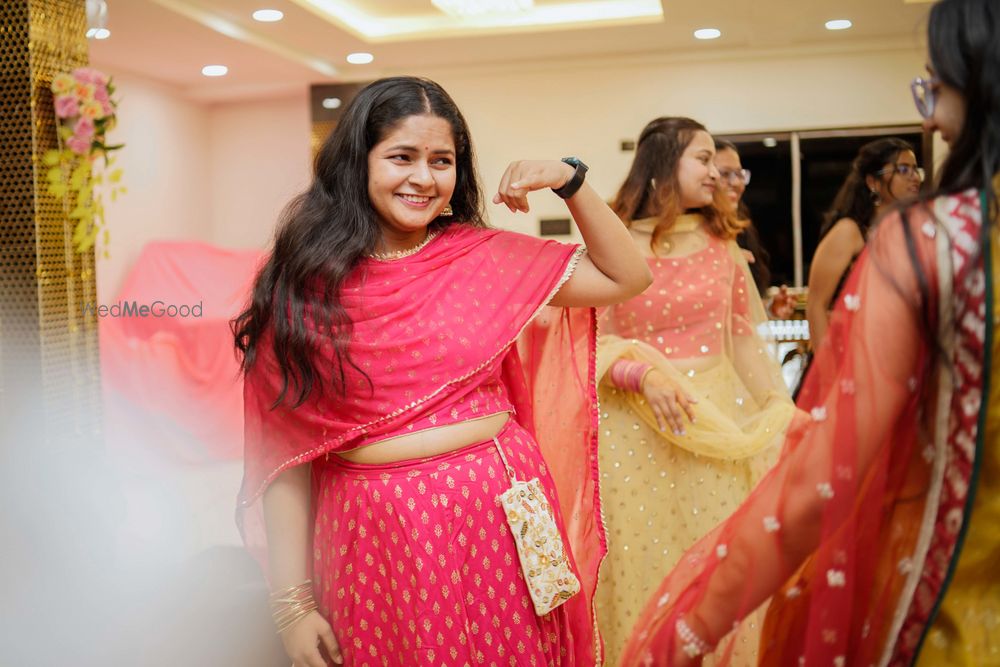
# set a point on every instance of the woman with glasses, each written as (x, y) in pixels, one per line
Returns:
(734, 179)
(691, 403)
(884, 172)
(875, 537)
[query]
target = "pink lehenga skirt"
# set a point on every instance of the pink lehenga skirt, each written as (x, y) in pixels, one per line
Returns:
(414, 563)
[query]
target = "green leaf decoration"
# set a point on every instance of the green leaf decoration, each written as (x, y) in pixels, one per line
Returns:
(79, 213)
(78, 232)
(54, 174)
(115, 176)
(84, 196)
(51, 158)
(58, 189)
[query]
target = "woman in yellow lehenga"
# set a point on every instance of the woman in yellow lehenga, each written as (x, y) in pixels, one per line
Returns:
(692, 403)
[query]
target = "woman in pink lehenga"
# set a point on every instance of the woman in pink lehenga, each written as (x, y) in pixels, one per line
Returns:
(875, 535)
(383, 380)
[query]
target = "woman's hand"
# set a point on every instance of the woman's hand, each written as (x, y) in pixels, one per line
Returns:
(303, 639)
(680, 658)
(526, 176)
(668, 401)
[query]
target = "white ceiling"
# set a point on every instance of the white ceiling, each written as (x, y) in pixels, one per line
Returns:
(171, 40)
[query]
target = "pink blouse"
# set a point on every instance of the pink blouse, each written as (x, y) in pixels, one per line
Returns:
(486, 395)
(683, 312)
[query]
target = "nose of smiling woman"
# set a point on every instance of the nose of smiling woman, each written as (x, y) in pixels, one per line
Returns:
(713, 171)
(420, 174)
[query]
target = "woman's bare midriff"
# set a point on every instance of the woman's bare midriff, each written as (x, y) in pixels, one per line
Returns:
(430, 442)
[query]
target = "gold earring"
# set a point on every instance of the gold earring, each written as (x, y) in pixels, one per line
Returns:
(446, 211)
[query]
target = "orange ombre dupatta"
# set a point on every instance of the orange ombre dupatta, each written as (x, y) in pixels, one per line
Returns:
(853, 534)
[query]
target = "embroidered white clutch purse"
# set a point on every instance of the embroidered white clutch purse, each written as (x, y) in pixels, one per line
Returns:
(540, 548)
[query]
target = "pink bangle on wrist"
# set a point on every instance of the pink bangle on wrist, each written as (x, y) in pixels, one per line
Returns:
(629, 375)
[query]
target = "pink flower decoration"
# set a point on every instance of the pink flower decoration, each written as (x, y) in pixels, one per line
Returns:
(78, 145)
(101, 95)
(90, 75)
(84, 128)
(66, 106)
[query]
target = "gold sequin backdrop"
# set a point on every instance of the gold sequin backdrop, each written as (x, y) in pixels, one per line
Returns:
(49, 375)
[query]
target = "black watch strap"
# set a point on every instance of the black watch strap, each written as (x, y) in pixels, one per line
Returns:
(570, 187)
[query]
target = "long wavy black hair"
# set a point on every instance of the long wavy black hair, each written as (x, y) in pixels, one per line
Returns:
(327, 230)
(964, 50)
(854, 199)
(964, 46)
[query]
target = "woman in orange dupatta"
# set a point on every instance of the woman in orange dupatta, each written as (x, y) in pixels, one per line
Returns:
(876, 531)
(387, 404)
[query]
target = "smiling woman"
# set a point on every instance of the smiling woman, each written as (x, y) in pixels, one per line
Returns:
(411, 179)
(693, 405)
(387, 408)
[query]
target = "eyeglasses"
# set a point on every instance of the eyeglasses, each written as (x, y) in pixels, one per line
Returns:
(925, 95)
(735, 176)
(904, 170)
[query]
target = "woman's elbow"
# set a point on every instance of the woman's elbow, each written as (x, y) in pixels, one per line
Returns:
(640, 282)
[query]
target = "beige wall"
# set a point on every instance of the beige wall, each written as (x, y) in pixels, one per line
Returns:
(588, 110)
(165, 162)
(222, 174)
(259, 159)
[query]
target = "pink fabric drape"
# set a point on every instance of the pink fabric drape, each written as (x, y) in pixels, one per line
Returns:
(173, 375)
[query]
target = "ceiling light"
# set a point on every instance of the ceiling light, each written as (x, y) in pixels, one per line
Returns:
(97, 19)
(268, 15)
(331, 103)
(838, 24)
(707, 33)
(464, 8)
(214, 70)
(360, 58)
(770, 142)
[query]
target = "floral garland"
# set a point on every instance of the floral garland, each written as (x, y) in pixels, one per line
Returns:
(85, 110)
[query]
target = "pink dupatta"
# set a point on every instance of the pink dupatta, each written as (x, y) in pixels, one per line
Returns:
(425, 326)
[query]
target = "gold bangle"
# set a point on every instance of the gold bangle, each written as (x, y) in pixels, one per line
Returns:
(292, 604)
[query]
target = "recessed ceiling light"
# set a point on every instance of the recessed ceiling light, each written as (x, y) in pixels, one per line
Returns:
(268, 15)
(360, 58)
(101, 33)
(838, 24)
(707, 33)
(214, 70)
(331, 103)
(770, 142)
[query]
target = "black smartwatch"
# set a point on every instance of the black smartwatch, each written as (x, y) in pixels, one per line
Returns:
(570, 187)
